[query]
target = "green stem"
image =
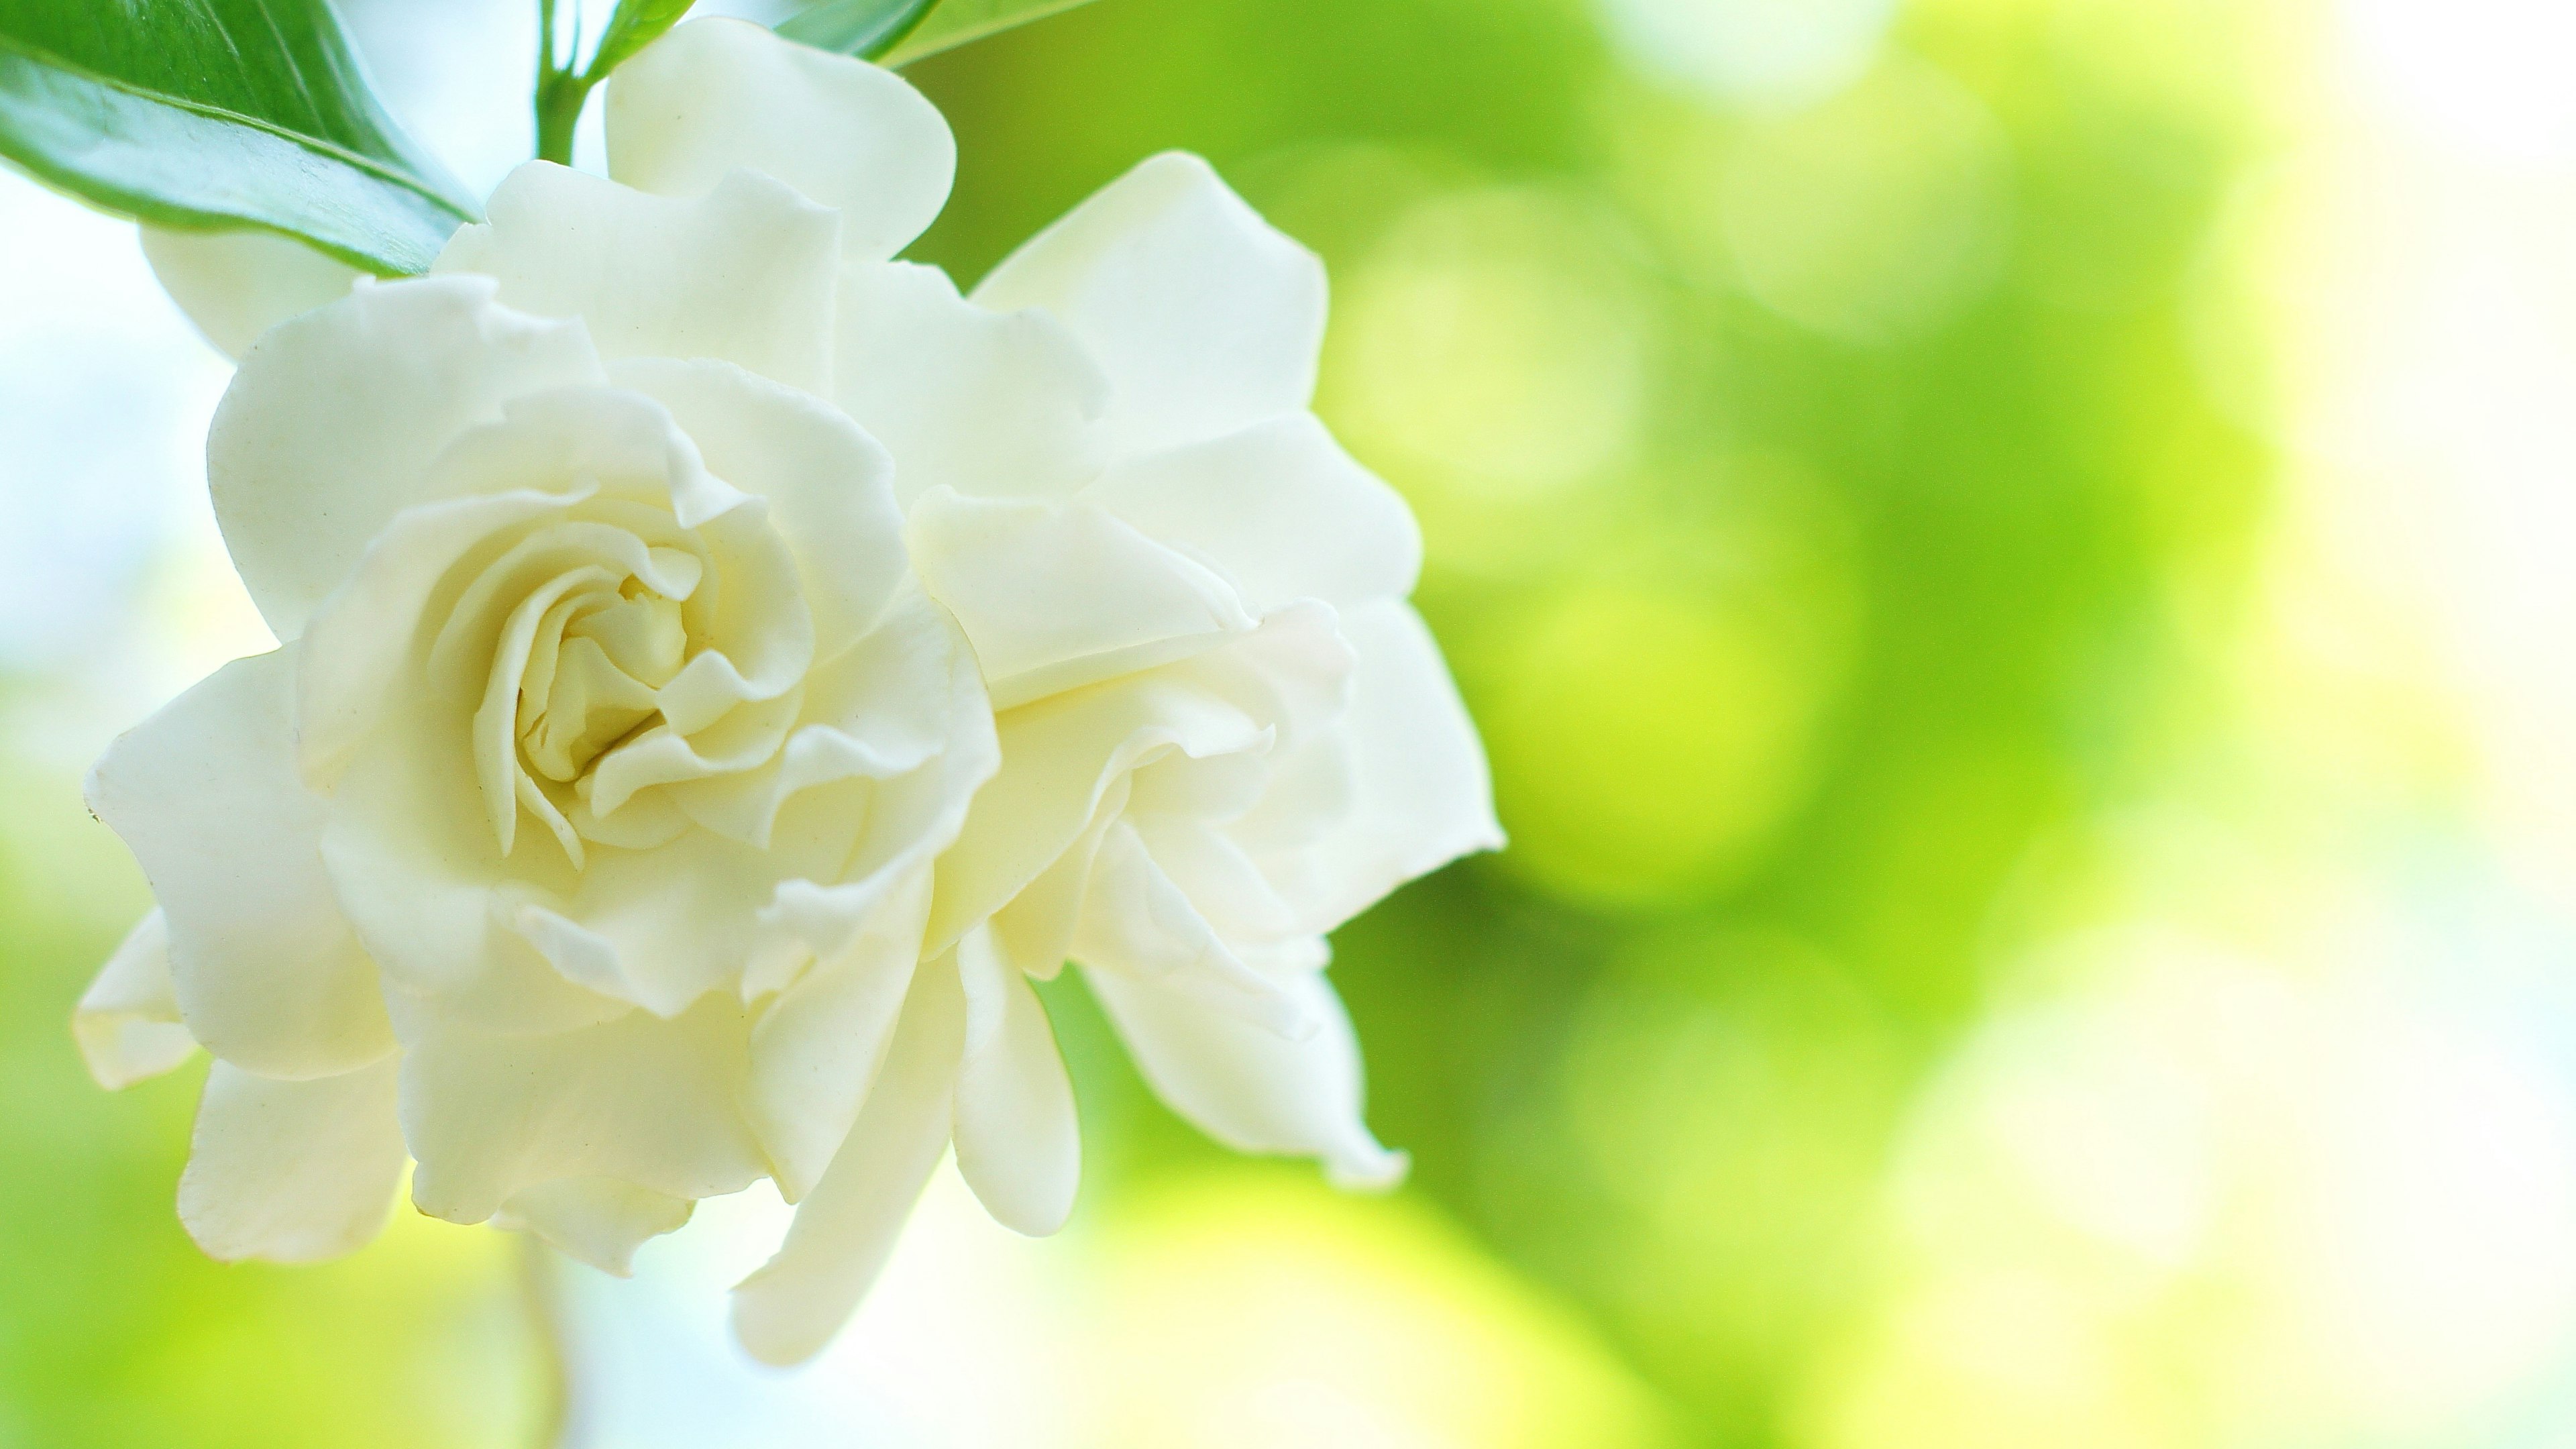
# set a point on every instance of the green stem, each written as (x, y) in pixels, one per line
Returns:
(559, 99)
(560, 90)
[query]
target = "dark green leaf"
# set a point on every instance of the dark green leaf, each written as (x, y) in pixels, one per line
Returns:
(901, 31)
(635, 25)
(867, 28)
(220, 114)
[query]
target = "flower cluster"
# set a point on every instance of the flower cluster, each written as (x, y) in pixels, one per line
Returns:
(722, 666)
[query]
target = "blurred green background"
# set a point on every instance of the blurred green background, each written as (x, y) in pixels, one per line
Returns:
(2010, 556)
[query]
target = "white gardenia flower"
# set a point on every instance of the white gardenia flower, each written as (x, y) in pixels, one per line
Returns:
(624, 821)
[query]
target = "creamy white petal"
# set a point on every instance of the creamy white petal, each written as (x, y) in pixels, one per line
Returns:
(1135, 919)
(411, 859)
(639, 1099)
(1294, 673)
(846, 1228)
(904, 708)
(829, 485)
(268, 973)
(1280, 508)
(1062, 760)
(356, 649)
(293, 1172)
(1019, 1143)
(236, 285)
(991, 404)
(716, 94)
(1421, 794)
(663, 927)
(1205, 317)
(1035, 930)
(1056, 596)
(743, 273)
(820, 1043)
(127, 1023)
(598, 1220)
(330, 426)
(1252, 1089)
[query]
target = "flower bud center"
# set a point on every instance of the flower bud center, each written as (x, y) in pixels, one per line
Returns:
(592, 680)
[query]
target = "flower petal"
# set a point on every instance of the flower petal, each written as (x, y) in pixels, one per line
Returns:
(639, 1099)
(1252, 1089)
(330, 425)
(236, 285)
(597, 1220)
(845, 1229)
(1136, 920)
(411, 859)
(743, 273)
(1421, 793)
(822, 1041)
(267, 971)
(1019, 1144)
(1056, 596)
(717, 93)
(1280, 507)
(293, 1172)
(127, 1023)
(354, 653)
(991, 404)
(1063, 761)
(829, 485)
(1205, 317)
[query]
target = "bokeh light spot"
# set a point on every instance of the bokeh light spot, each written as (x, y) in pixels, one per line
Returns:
(1647, 744)
(1255, 1308)
(1492, 356)
(1876, 216)
(1761, 53)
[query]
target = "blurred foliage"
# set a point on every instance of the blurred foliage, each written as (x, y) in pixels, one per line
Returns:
(1809, 498)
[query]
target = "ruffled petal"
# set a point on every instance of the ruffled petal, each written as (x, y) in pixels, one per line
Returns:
(846, 1228)
(267, 971)
(355, 651)
(293, 1172)
(1019, 1144)
(127, 1023)
(1252, 1089)
(1135, 919)
(743, 273)
(717, 94)
(829, 485)
(821, 1042)
(411, 859)
(991, 404)
(1421, 795)
(1056, 596)
(236, 285)
(641, 1100)
(598, 1220)
(1205, 317)
(329, 427)
(1065, 760)
(1280, 508)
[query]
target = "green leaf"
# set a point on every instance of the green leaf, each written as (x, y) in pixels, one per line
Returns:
(903, 31)
(955, 22)
(635, 25)
(867, 28)
(220, 115)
